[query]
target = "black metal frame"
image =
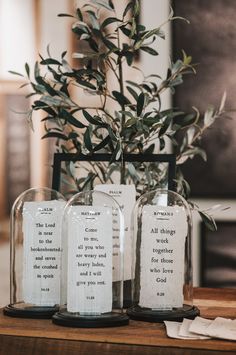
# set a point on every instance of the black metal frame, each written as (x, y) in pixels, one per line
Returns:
(160, 158)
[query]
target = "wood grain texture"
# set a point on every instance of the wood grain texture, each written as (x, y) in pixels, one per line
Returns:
(39, 346)
(227, 294)
(26, 336)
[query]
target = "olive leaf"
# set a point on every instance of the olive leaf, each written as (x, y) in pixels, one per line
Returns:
(121, 98)
(71, 119)
(140, 103)
(208, 221)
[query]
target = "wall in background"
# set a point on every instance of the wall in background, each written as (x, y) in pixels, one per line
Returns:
(52, 32)
(17, 36)
(211, 40)
(153, 14)
(26, 28)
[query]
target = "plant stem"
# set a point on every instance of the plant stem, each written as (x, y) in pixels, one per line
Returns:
(121, 84)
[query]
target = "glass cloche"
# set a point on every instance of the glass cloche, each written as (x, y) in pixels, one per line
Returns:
(92, 268)
(35, 253)
(162, 267)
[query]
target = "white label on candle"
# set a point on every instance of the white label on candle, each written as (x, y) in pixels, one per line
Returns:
(164, 231)
(125, 195)
(42, 252)
(89, 287)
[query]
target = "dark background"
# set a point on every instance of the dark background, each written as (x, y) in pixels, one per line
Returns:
(210, 39)
(218, 255)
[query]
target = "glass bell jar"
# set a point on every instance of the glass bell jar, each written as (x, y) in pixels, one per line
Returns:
(35, 253)
(92, 266)
(162, 268)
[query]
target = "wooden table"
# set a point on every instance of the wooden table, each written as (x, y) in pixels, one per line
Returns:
(37, 337)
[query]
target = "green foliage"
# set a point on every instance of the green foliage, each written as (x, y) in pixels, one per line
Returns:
(137, 123)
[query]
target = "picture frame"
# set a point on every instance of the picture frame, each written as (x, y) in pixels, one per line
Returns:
(105, 157)
(59, 158)
(218, 255)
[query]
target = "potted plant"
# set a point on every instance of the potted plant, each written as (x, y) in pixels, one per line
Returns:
(129, 117)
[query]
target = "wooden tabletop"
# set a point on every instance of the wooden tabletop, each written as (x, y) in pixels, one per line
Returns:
(27, 336)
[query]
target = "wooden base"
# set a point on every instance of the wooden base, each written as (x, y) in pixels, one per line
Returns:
(112, 319)
(29, 311)
(156, 316)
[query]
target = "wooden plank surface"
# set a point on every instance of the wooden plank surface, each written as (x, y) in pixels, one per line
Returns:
(39, 346)
(149, 337)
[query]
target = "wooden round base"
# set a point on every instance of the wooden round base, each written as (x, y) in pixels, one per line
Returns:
(67, 319)
(156, 316)
(29, 311)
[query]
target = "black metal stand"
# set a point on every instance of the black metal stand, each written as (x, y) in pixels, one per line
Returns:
(97, 157)
(156, 316)
(30, 311)
(112, 319)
